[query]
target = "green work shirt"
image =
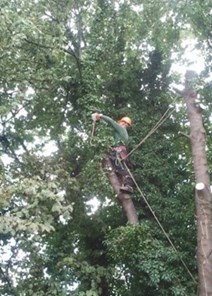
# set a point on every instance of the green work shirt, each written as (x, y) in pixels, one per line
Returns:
(120, 132)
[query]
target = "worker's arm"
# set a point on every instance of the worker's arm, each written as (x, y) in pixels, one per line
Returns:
(117, 127)
(120, 129)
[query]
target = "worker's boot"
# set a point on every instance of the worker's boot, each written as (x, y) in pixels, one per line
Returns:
(128, 185)
(126, 189)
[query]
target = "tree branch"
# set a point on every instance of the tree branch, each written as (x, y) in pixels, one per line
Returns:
(185, 135)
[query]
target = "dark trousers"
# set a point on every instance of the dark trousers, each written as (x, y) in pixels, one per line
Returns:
(117, 156)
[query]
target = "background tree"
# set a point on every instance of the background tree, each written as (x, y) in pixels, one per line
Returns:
(61, 61)
(203, 196)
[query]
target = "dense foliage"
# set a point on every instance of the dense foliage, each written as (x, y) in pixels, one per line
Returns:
(61, 61)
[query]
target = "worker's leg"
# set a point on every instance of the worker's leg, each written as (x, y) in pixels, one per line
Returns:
(127, 181)
(122, 172)
(127, 184)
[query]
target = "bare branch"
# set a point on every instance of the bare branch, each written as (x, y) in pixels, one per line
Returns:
(185, 135)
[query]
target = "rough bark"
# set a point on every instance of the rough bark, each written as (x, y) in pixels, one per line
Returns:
(203, 196)
(125, 199)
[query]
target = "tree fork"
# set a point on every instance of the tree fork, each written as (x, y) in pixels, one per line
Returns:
(203, 196)
(125, 199)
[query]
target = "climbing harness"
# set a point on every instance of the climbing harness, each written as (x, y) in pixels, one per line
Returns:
(118, 161)
(117, 154)
(116, 158)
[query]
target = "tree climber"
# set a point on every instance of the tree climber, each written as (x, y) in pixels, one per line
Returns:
(119, 149)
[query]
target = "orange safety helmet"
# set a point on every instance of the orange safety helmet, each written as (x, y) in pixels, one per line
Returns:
(126, 120)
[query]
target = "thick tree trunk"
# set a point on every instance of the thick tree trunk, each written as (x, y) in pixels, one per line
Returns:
(125, 199)
(203, 196)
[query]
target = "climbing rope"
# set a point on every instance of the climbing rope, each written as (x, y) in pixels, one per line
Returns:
(156, 218)
(93, 131)
(163, 118)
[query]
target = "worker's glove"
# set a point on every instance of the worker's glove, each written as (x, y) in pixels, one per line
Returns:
(96, 116)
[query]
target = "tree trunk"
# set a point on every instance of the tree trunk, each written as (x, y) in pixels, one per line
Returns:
(203, 196)
(125, 199)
